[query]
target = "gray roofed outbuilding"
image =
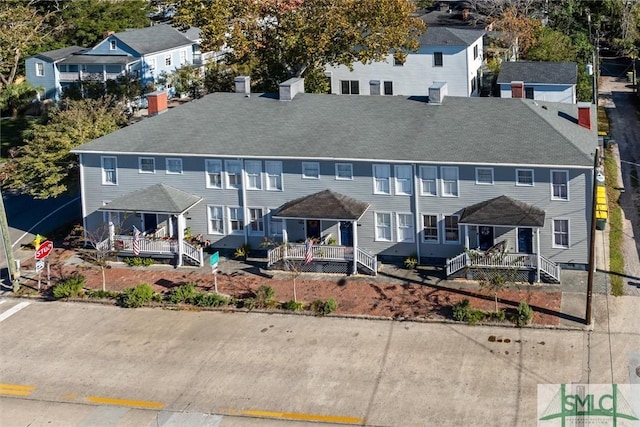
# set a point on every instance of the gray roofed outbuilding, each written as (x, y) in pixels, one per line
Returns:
(503, 211)
(158, 198)
(538, 72)
(447, 36)
(153, 39)
(325, 204)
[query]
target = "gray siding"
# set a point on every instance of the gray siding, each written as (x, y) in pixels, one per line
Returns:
(361, 187)
(48, 82)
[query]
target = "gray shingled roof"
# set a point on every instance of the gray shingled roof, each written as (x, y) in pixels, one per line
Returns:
(447, 36)
(99, 59)
(504, 211)
(159, 198)
(324, 204)
(539, 72)
(58, 54)
(153, 39)
(391, 128)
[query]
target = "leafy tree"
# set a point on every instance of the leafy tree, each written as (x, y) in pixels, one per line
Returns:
(43, 167)
(551, 45)
(278, 39)
(188, 81)
(521, 30)
(17, 97)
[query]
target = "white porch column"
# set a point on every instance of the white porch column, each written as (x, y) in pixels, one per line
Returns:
(466, 237)
(170, 225)
(285, 238)
(538, 254)
(112, 230)
(181, 227)
(104, 73)
(354, 226)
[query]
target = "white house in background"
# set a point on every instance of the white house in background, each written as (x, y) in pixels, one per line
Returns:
(450, 55)
(541, 81)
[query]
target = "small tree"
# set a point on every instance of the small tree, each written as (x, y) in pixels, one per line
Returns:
(102, 248)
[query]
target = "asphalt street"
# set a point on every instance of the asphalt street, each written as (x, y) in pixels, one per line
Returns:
(77, 364)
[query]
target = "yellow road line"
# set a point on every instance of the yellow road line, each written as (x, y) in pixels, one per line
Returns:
(125, 402)
(16, 389)
(303, 417)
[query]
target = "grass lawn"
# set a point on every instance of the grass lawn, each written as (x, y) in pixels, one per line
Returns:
(616, 257)
(11, 133)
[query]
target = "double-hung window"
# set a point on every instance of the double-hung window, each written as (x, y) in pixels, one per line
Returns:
(167, 60)
(152, 64)
(350, 87)
(404, 180)
(388, 88)
(109, 170)
(381, 179)
(524, 177)
(183, 57)
(174, 166)
(253, 169)
(256, 221)
(484, 176)
(437, 59)
(236, 223)
(310, 170)
(451, 229)
(405, 227)
(383, 226)
(274, 175)
(344, 171)
(214, 173)
(430, 228)
(561, 233)
(216, 220)
(449, 181)
(428, 180)
(40, 69)
(559, 185)
(275, 226)
(234, 173)
(112, 45)
(146, 165)
(475, 52)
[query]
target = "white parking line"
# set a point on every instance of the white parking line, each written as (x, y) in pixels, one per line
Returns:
(13, 310)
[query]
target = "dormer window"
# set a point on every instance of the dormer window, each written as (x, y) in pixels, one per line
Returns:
(112, 45)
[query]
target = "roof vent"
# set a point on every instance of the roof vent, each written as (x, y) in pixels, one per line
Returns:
(243, 84)
(290, 88)
(437, 92)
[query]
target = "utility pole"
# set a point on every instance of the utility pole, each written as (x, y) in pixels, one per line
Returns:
(592, 244)
(6, 242)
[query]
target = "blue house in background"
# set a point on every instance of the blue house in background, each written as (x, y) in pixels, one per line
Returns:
(146, 52)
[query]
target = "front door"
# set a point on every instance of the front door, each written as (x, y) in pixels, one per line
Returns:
(525, 241)
(313, 228)
(150, 222)
(485, 238)
(346, 233)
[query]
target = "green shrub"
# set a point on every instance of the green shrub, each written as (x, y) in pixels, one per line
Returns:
(138, 262)
(264, 297)
(69, 288)
(324, 307)
(210, 300)
(248, 303)
(498, 316)
(157, 297)
(524, 314)
(100, 294)
(136, 297)
(183, 294)
(463, 312)
(292, 305)
(410, 262)
(242, 251)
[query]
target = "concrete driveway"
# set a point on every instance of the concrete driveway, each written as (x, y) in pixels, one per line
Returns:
(84, 364)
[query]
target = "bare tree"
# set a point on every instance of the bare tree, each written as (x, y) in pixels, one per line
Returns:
(101, 248)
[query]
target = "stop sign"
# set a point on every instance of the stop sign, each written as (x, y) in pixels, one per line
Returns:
(44, 249)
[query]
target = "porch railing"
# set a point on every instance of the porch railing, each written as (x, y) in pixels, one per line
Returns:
(549, 267)
(520, 261)
(195, 254)
(368, 260)
(457, 263)
(321, 253)
(154, 246)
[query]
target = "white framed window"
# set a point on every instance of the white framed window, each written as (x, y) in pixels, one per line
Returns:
(430, 228)
(116, 217)
(405, 227)
(233, 169)
(274, 175)
(216, 219)
(381, 179)
(256, 222)
(383, 226)
(349, 87)
(475, 51)
(310, 170)
(253, 169)
(344, 171)
(146, 165)
(484, 176)
(40, 69)
(428, 180)
(167, 60)
(109, 170)
(451, 229)
(524, 177)
(404, 180)
(388, 88)
(559, 185)
(561, 233)
(214, 173)
(174, 166)
(183, 57)
(112, 45)
(437, 59)
(449, 176)
(275, 226)
(152, 64)
(236, 223)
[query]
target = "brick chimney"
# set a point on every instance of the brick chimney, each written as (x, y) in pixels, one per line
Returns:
(584, 115)
(290, 88)
(517, 89)
(157, 102)
(243, 84)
